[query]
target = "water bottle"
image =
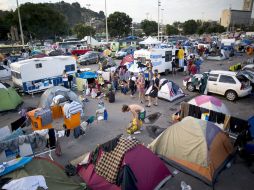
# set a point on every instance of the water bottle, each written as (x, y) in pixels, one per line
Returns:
(184, 186)
(105, 115)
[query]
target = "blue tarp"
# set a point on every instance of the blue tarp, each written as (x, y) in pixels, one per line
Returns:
(87, 75)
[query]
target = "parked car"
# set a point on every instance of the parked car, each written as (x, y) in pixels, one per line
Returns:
(90, 57)
(249, 71)
(125, 51)
(229, 84)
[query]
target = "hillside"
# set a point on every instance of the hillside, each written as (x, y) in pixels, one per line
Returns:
(74, 13)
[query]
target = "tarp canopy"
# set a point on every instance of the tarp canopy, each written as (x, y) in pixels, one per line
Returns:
(90, 41)
(9, 98)
(169, 90)
(87, 75)
(150, 41)
(49, 94)
(53, 173)
(197, 147)
(210, 102)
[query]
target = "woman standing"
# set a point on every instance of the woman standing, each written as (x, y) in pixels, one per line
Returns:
(65, 79)
(132, 84)
(141, 87)
(154, 92)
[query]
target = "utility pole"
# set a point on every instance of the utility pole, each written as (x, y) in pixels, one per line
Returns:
(159, 4)
(106, 21)
(20, 26)
(147, 16)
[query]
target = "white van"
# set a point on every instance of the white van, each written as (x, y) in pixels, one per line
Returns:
(160, 58)
(38, 74)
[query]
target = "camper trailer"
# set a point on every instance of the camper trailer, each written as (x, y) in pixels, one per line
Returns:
(39, 74)
(160, 58)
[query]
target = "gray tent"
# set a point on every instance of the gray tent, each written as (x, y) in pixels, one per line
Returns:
(49, 94)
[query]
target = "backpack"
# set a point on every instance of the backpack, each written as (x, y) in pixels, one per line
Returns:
(111, 97)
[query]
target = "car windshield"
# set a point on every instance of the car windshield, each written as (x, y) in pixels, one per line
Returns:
(123, 50)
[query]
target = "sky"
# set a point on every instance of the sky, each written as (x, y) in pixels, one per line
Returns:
(138, 10)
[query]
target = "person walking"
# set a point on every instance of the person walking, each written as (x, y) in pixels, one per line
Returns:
(132, 84)
(141, 87)
(154, 92)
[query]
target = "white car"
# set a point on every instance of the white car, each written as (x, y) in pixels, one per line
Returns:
(229, 84)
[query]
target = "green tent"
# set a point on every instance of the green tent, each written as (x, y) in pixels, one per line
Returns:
(9, 98)
(55, 177)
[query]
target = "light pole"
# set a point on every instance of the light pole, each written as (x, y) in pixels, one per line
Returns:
(106, 21)
(159, 4)
(20, 26)
(162, 23)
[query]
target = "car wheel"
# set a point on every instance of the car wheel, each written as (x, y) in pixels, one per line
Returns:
(166, 72)
(87, 63)
(190, 87)
(231, 95)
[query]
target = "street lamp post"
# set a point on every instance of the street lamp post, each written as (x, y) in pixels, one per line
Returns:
(159, 4)
(106, 21)
(162, 23)
(20, 26)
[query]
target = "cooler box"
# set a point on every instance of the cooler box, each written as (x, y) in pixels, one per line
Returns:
(36, 122)
(73, 121)
(56, 111)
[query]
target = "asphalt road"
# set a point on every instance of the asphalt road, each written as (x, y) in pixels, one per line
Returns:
(237, 177)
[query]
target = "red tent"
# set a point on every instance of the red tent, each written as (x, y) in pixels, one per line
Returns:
(127, 59)
(149, 170)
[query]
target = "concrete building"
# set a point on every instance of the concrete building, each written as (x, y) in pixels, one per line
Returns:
(247, 5)
(231, 18)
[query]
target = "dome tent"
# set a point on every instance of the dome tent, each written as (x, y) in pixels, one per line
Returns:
(148, 170)
(47, 97)
(9, 98)
(196, 147)
(169, 90)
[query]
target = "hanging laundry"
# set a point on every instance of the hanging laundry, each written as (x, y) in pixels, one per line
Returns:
(52, 138)
(46, 116)
(21, 122)
(72, 108)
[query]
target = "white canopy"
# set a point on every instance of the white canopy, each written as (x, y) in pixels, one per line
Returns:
(150, 41)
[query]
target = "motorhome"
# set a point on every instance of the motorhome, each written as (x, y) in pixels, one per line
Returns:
(39, 74)
(160, 58)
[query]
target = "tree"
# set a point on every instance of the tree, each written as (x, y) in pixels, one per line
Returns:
(149, 27)
(81, 30)
(119, 24)
(41, 21)
(171, 30)
(190, 27)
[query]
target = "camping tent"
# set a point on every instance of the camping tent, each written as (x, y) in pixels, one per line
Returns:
(196, 147)
(127, 60)
(9, 98)
(149, 171)
(47, 97)
(168, 90)
(150, 41)
(210, 103)
(53, 173)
